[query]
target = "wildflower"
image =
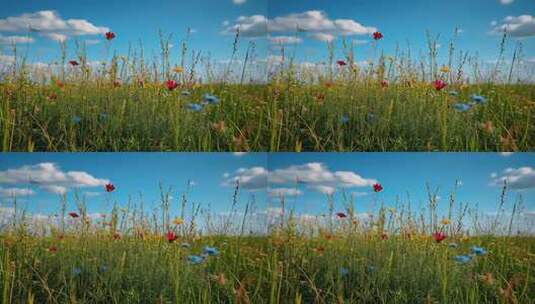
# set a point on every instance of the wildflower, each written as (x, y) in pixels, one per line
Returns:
(185, 245)
(453, 93)
(178, 221)
(103, 268)
(384, 236)
(377, 187)
(344, 119)
(478, 250)
(341, 63)
(53, 96)
(319, 249)
(341, 215)
(377, 36)
(171, 85)
(371, 268)
(76, 271)
(462, 107)
(487, 278)
(74, 63)
(445, 221)
(109, 187)
(384, 83)
(185, 93)
(116, 236)
(74, 214)
(210, 99)
(212, 251)
(109, 35)
(319, 97)
(171, 236)
(462, 259)
(116, 83)
(445, 69)
(453, 245)
(439, 85)
(178, 69)
(488, 127)
(195, 259)
(219, 126)
(76, 119)
(343, 271)
(439, 236)
(478, 99)
(220, 279)
(195, 107)
(52, 249)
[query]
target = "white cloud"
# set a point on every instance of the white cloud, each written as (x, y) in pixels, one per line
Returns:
(285, 40)
(254, 178)
(521, 26)
(239, 153)
(238, 2)
(15, 39)
(49, 177)
(49, 24)
(10, 192)
(505, 2)
(506, 154)
(316, 23)
(324, 189)
(519, 179)
(277, 192)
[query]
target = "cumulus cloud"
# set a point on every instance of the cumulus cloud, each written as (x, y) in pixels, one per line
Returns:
(49, 24)
(315, 23)
(285, 40)
(505, 2)
(314, 176)
(521, 26)
(239, 153)
(49, 177)
(506, 154)
(519, 179)
(254, 178)
(238, 2)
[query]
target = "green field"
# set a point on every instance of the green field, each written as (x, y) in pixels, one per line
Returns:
(392, 257)
(388, 104)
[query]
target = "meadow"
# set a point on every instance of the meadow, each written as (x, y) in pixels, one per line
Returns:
(441, 253)
(437, 102)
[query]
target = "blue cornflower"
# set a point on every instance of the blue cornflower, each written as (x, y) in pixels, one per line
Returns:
(343, 271)
(478, 250)
(453, 245)
(371, 117)
(210, 99)
(478, 99)
(195, 259)
(185, 93)
(76, 271)
(195, 107)
(371, 268)
(344, 119)
(103, 268)
(185, 245)
(210, 251)
(462, 259)
(462, 107)
(76, 119)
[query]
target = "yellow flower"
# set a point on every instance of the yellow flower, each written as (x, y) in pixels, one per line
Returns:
(178, 69)
(445, 69)
(178, 221)
(446, 221)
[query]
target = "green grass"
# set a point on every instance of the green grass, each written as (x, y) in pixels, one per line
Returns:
(276, 117)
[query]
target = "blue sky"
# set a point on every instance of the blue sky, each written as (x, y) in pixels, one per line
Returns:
(398, 20)
(214, 174)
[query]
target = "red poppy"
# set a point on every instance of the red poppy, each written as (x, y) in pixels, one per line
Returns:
(341, 215)
(377, 187)
(377, 36)
(439, 236)
(384, 236)
(116, 83)
(109, 187)
(73, 214)
(384, 83)
(171, 85)
(52, 249)
(74, 63)
(439, 84)
(341, 63)
(116, 236)
(171, 236)
(110, 35)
